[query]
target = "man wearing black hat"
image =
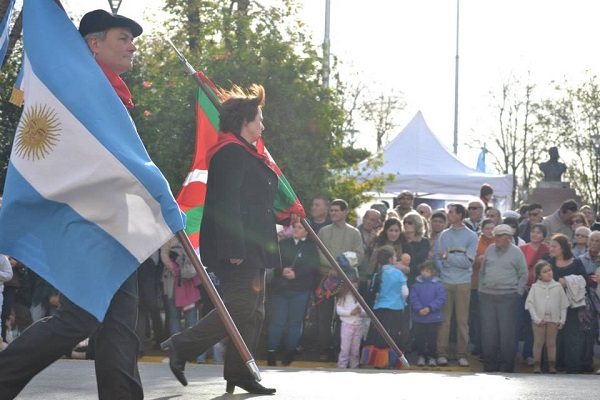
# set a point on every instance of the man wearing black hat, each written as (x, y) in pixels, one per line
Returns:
(110, 39)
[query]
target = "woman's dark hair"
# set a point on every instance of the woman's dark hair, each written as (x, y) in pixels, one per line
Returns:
(538, 267)
(383, 257)
(382, 235)
(541, 227)
(565, 244)
(240, 107)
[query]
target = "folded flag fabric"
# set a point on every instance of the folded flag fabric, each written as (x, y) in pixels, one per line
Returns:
(83, 203)
(17, 96)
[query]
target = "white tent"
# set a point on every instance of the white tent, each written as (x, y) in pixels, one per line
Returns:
(420, 163)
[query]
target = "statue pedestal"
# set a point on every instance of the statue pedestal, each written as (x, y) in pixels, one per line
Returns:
(552, 194)
(554, 185)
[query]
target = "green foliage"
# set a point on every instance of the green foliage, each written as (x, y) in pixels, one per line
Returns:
(239, 43)
(356, 183)
(236, 42)
(9, 113)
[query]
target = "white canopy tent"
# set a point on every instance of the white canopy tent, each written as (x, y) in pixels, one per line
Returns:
(420, 163)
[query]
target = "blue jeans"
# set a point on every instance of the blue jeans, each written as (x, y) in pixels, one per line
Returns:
(287, 308)
(175, 317)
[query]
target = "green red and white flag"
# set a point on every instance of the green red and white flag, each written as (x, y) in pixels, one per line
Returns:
(193, 192)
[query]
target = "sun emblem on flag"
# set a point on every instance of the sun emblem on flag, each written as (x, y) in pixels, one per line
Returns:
(37, 133)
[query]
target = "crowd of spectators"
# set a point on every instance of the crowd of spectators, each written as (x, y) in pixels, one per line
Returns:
(462, 287)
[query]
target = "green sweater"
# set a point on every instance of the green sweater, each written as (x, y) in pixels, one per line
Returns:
(339, 240)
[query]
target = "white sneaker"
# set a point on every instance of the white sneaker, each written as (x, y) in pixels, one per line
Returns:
(442, 361)
(432, 362)
(463, 362)
(421, 361)
(598, 372)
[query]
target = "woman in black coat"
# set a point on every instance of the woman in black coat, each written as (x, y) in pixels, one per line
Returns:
(289, 293)
(238, 238)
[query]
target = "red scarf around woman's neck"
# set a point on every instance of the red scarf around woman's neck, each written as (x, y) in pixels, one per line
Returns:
(118, 84)
(225, 138)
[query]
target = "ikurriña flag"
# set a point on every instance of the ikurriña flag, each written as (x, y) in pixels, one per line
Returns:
(83, 204)
(191, 196)
(193, 192)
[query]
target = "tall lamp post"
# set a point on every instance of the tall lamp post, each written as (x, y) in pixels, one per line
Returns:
(596, 144)
(327, 46)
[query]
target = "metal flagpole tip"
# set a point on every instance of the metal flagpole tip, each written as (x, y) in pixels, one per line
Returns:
(251, 364)
(404, 361)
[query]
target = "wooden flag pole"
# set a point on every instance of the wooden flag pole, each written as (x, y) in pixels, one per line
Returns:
(357, 296)
(230, 326)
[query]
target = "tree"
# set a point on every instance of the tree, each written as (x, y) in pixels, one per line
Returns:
(381, 112)
(9, 113)
(244, 42)
(241, 42)
(574, 116)
(519, 142)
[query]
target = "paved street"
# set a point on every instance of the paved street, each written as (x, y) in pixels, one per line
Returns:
(74, 379)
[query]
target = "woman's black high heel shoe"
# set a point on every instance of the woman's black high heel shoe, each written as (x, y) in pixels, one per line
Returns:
(250, 386)
(175, 363)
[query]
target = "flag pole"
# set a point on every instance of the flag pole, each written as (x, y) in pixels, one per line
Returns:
(355, 293)
(230, 326)
(196, 76)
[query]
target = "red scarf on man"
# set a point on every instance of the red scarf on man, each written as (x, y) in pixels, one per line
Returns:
(118, 84)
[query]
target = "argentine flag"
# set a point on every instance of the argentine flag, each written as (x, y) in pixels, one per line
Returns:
(5, 30)
(83, 203)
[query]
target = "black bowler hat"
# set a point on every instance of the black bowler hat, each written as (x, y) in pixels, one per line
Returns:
(100, 20)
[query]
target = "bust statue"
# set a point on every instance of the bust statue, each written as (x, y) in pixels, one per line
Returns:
(553, 169)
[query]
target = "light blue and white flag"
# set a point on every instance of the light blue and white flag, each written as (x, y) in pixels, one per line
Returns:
(481, 160)
(83, 203)
(5, 30)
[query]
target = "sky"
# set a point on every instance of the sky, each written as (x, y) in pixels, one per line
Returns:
(409, 47)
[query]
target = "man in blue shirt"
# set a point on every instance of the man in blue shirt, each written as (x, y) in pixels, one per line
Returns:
(454, 254)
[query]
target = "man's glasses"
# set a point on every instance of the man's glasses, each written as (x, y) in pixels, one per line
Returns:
(581, 235)
(473, 208)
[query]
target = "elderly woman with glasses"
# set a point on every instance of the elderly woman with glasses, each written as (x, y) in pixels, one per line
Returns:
(580, 240)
